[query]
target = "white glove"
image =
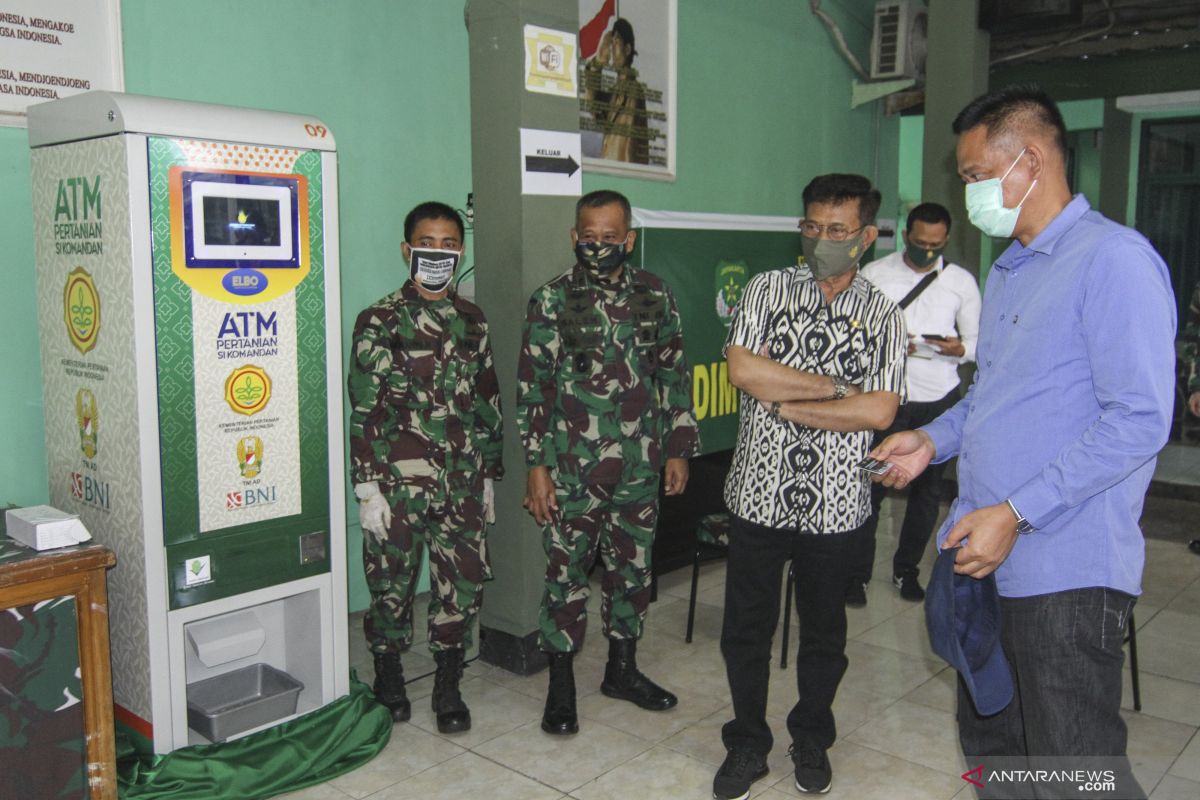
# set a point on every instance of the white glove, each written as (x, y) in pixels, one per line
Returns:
(489, 501)
(374, 513)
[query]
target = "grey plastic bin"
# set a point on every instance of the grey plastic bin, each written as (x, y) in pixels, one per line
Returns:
(236, 701)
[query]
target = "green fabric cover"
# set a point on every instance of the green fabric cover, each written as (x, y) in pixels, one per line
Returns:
(304, 751)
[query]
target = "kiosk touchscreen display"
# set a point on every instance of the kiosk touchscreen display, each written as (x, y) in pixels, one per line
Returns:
(250, 222)
(240, 220)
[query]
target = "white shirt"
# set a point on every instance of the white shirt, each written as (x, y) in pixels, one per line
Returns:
(949, 304)
(787, 475)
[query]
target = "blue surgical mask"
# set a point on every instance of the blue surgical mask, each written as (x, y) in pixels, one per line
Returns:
(985, 204)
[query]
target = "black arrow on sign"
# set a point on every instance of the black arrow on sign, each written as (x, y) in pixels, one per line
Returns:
(549, 164)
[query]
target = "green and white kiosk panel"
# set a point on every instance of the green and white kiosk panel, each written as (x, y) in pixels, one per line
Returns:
(189, 320)
(239, 322)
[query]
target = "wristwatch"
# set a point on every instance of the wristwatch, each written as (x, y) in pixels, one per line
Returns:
(840, 387)
(1023, 525)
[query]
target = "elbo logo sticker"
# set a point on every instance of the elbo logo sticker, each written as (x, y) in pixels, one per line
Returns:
(81, 309)
(248, 389)
(244, 282)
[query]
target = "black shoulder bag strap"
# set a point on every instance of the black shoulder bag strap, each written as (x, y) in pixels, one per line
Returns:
(916, 290)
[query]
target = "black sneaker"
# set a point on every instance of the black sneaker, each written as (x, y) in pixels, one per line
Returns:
(741, 768)
(856, 594)
(813, 773)
(909, 588)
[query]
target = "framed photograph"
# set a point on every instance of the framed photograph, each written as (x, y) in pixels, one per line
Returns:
(627, 87)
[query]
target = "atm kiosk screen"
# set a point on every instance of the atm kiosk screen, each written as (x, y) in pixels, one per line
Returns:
(237, 219)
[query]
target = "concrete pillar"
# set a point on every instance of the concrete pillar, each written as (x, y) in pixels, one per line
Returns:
(520, 242)
(956, 73)
(1115, 143)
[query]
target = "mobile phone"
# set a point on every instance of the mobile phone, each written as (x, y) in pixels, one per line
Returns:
(874, 466)
(934, 336)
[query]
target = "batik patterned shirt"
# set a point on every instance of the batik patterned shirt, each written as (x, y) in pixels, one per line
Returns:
(791, 476)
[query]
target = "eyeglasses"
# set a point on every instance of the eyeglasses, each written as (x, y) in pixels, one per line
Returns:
(837, 231)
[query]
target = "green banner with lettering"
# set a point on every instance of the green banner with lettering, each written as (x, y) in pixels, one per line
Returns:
(707, 271)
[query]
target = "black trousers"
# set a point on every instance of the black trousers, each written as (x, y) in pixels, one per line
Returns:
(924, 497)
(753, 575)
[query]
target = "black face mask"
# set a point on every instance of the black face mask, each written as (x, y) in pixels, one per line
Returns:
(921, 257)
(601, 259)
(432, 268)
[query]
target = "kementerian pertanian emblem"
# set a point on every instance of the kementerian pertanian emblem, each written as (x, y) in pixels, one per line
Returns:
(249, 453)
(730, 281)
(81, 309)
(85, 416)
(248, 389)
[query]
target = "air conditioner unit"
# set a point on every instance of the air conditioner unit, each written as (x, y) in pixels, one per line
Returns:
(898, 40)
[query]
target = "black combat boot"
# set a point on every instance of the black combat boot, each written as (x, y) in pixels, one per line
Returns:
(623, 681)
(453, 716)
(389, 686)
(560, 718)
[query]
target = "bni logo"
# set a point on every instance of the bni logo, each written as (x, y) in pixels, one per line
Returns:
(88, 490)
(249, 498)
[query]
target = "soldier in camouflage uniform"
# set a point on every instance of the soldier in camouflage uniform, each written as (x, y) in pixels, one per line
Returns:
(425, 446)
(603, 396)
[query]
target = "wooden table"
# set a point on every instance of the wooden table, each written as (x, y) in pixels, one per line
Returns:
(28, 577)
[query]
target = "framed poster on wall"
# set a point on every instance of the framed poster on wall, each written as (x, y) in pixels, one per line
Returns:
(56, 48)
(627, 87)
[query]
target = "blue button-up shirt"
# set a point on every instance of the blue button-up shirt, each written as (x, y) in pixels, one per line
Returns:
(1071, 403)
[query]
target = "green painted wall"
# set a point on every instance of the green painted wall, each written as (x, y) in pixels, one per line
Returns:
(22, 428)
(764, 104)
(910, 158)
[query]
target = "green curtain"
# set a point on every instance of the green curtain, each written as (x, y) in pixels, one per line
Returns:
(308, 750)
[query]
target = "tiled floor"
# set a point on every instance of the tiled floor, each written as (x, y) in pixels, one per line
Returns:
(897, 735)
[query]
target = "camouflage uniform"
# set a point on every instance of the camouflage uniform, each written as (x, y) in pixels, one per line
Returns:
(1188, 345)
(425, 423)
(603, 389)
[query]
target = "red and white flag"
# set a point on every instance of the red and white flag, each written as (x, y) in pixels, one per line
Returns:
(592, 31)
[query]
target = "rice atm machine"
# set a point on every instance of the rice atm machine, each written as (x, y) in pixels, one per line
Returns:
(187, 278)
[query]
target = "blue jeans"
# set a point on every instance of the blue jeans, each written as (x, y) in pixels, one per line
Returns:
(757, 555)
(1065, 653)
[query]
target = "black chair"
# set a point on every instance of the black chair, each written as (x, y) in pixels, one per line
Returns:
(1131, 637)
(787, 614)
(712, 542)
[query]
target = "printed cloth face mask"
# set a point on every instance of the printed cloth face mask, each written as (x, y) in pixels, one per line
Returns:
(432, 268)
(985, 204)
(600, 259)
(828, 259)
